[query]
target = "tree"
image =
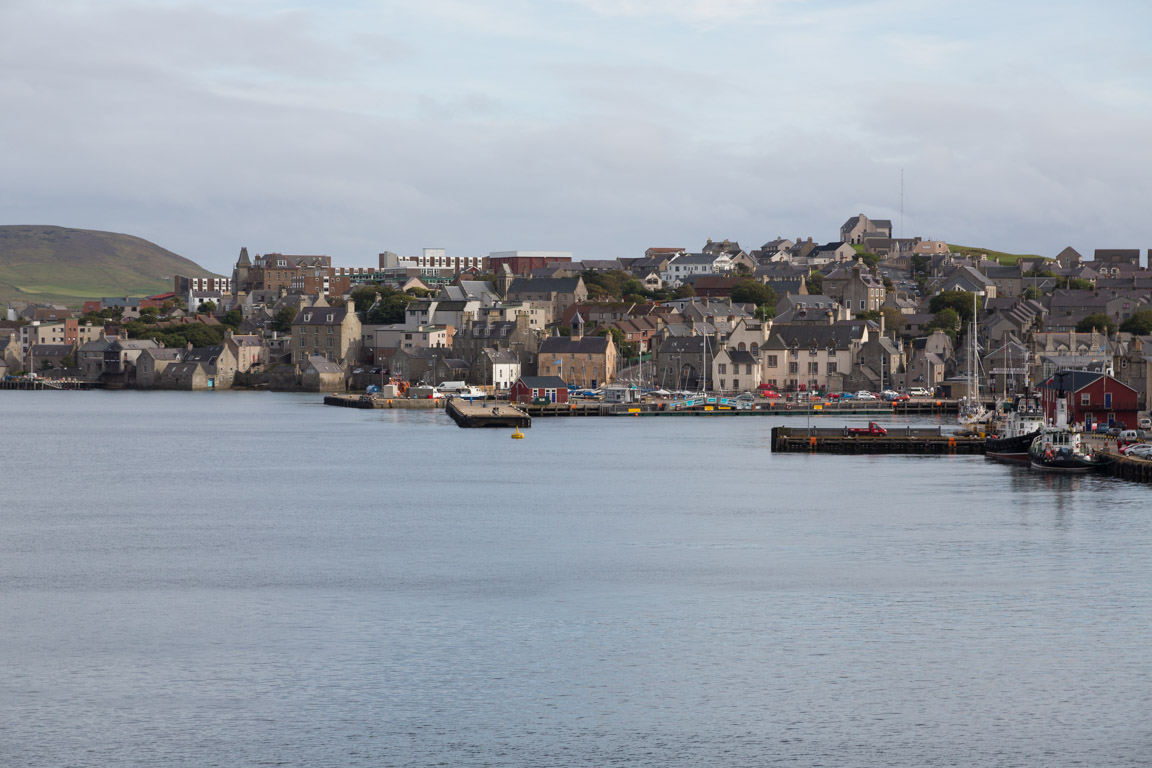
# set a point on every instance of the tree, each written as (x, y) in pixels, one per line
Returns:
(894, 320)
(960, 301)
(282, 320)
(1032, 292)
(232, 318)
(206, 307)
(685, 291)
(816, 283)
(749, 291)
(149, 314)
(1139, 323)
(390, 310)
(947, 320)
(1097, 321)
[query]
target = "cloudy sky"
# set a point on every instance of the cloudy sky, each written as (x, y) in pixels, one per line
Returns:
(597, 126)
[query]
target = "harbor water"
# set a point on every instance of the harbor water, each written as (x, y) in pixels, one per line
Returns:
(228, 579)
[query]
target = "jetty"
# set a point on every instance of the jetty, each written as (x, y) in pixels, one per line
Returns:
(20, 382)
(474, 415)
(376, 401)
(840, 440)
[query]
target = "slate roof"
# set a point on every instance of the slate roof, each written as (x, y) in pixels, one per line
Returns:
(688, 345)
(741, 357)
(543, 382)
(566, 345)
(321, 316)
(203, 354)
(818, 335)
(544, 285)
(323, 365)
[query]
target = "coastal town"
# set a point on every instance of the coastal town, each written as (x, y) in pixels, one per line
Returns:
(866, 314)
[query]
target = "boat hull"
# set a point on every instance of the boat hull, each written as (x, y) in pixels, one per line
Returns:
(1010, 448)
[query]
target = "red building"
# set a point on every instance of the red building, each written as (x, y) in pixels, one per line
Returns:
(529, 388)
(1093, 398)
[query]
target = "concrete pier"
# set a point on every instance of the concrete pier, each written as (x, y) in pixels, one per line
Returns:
(474, 415)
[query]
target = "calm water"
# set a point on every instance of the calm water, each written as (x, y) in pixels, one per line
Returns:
(243, 579)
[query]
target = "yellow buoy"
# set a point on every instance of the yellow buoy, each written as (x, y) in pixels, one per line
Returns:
(517, 435)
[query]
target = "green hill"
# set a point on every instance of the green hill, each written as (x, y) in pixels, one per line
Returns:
(68, 266)
(1006, 259)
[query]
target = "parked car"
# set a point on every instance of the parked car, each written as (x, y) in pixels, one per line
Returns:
(847, 395)
(865, 395)
(1141, 451)
(889, 394)
(919, 392)
(747, 397)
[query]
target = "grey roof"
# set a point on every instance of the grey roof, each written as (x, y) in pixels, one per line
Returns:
(688, 345)
(164, 353)
(543, 382)
(203, 354)
(702, 259)
(741, 356)
(51, 350)
(566, 345)
(500, 356)
(320, 316)
(323, 364)
(544, 285)
(819, 335)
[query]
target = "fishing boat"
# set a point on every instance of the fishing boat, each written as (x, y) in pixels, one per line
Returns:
(1060, 447)
(1012, 432)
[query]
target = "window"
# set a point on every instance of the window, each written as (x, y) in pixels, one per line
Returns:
(831, 366)
(1085, 398)
(863, 304)
(748, 369)
(772, 363)
(735, 384)
(1107, 399)
(813, 368)
(793, 367)
(723, 368)
(723, 384)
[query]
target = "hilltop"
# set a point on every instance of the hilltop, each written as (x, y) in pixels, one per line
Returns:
(58, 264)
(1006, 259)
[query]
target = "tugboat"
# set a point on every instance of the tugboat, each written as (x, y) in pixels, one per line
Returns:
(1013, 434)
(1061, 448)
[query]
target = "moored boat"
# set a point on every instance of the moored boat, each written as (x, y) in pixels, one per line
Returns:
(1012, 434)
(1061, 448)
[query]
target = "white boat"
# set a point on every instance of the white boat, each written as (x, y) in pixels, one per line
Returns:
(972, 413)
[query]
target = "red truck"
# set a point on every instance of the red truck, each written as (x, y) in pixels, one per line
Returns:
(873, 429)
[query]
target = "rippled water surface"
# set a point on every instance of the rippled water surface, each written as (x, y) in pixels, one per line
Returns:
(254, 579)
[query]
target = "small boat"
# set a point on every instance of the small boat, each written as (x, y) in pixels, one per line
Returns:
(1060, 447)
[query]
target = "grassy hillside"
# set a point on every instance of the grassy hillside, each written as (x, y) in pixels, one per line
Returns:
(1007, 259)
(67, 266)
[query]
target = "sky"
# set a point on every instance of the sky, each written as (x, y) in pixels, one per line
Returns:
(601, 127)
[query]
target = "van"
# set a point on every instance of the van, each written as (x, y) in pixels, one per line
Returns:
(1145, 423)
(1127, 437)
